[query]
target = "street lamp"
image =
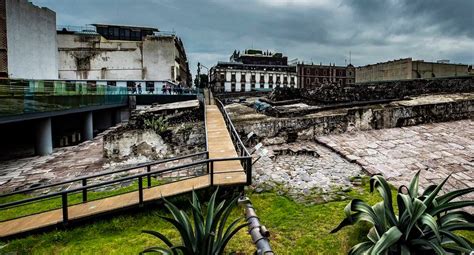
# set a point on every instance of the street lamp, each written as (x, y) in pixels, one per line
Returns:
(208, 74)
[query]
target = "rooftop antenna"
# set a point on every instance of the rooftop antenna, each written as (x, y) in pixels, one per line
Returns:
(350, 57)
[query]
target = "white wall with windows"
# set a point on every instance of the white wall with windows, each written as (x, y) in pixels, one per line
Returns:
(248, 80)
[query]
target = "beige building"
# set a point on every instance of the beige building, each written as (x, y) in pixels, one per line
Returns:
(407, 68)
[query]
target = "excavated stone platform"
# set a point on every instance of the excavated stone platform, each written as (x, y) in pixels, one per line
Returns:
(438, 150)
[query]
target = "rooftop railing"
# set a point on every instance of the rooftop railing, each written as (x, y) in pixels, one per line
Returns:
(19, 97)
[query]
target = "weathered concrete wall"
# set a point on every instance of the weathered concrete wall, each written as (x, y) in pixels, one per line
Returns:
(93, 57)
(426, 109)
(408, 69)
(159, 58)
(31, 39)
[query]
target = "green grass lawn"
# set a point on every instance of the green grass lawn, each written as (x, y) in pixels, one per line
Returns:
(295, 229)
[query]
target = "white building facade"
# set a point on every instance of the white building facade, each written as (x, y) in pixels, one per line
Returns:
(28, 46)
(253, 72)
(122, 55)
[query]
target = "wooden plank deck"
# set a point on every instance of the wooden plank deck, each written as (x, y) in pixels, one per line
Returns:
(225, 173)
(220, 145)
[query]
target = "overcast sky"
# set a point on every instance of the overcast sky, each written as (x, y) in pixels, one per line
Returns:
(310, 30)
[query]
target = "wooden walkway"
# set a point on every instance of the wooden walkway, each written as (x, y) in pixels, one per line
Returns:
(220, 146)
(225, 173)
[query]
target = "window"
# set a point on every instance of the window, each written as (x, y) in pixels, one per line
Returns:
(135, 35)
(124, 34)
(232, 77)
(308, 81)
(307, 71)
(70, 86)
(253, 78)
(325, 72)
(111, 32)
(111, 83)
(262, 79)
(242, 78)
(222, 77)
(150, 86)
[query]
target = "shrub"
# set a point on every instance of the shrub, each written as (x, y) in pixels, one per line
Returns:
(158, 124)
(209, 234)
(424, 224)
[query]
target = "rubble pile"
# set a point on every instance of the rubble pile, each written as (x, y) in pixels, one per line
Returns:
(157, 132)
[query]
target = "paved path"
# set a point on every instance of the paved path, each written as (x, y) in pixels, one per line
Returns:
(437, 149)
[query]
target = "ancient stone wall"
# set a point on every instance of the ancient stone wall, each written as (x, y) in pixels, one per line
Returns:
(158, 132)
(373, 91)
(272, 130)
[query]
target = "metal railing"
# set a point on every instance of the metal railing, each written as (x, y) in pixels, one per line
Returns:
(239, 145)
(206, 163)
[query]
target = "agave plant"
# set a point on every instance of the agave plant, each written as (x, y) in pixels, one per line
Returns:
(424, 223)
(207, 234)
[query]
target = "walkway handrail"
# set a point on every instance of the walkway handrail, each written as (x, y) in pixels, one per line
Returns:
(63, 194)
(148, 164)
(230, 125)
(239, 145)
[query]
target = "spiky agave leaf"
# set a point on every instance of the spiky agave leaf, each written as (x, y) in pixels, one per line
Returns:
(379, 183)
(448, 197)
(389, 238)
(357, 210)
(204, 237)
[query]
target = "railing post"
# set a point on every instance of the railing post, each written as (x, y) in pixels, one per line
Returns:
(212, 173)
(65, 211)
(140, 191)
(148, 177)
(84, 191)
(248, 170)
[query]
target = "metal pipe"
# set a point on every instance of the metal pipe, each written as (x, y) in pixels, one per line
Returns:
(258, 232)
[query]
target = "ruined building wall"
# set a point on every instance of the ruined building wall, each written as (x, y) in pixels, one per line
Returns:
(159, 56)
(93, 57)
(31, 40)
(384, 90)
(422, 110)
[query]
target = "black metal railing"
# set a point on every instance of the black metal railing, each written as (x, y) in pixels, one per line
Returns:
(85, 186)
(239, 145)
(206, 163)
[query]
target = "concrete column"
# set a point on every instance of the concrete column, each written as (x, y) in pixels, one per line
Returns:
(44, 139)
(88, 128)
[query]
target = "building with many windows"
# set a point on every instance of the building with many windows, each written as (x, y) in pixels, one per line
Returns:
(311, 76)
(253, 70)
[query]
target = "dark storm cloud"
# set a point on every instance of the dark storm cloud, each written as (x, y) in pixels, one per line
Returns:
(321, 31)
